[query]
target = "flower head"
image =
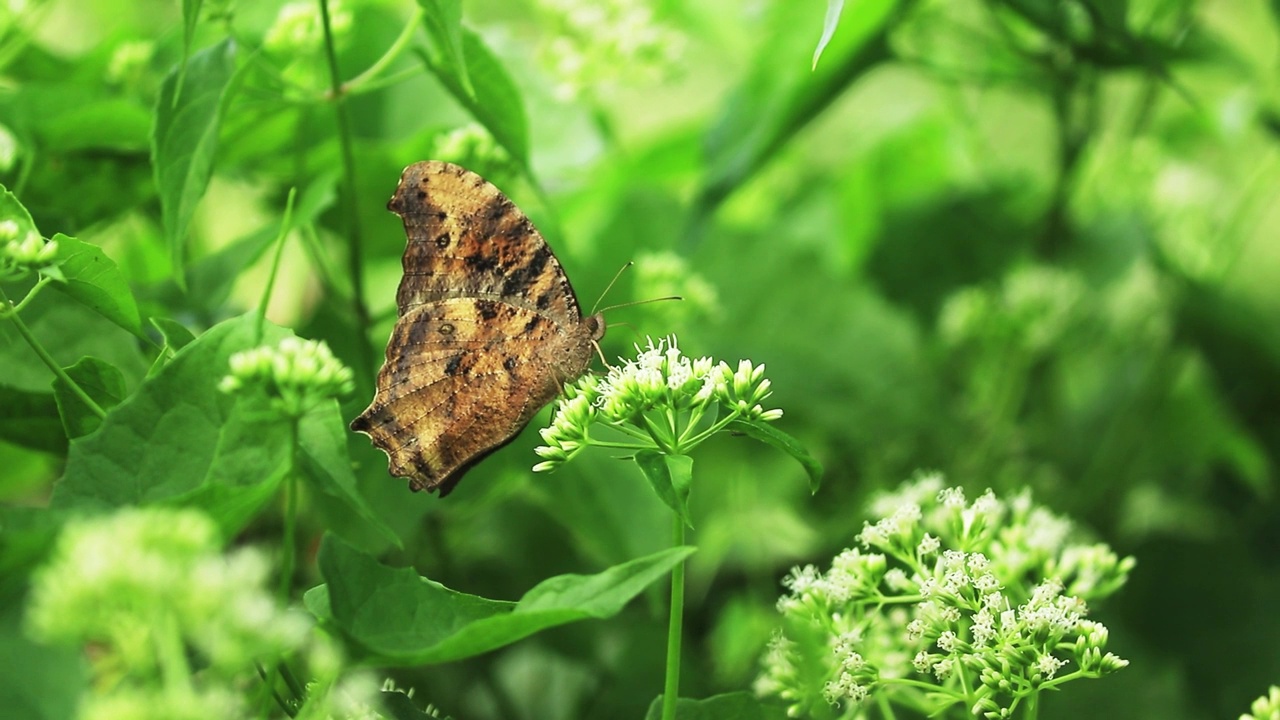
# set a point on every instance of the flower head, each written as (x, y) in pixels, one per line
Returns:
(295, 374)
(23, 250)
(663, 399)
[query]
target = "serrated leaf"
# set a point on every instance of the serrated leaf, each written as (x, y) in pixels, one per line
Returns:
(178, 435)
(93, 279)
(766, 433)
(829, 25)
(495, 101)
(730, 706)
(443, 19)
(185, 138)
(101, 381)
(400, 618)
(671, 477)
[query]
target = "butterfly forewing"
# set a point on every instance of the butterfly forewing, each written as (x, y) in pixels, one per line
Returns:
(466, 239)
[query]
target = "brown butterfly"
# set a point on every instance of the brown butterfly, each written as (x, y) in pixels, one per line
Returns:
(489, 329)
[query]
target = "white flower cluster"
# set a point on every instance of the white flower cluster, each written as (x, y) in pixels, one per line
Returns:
(296, 374)
(659, 399)
(983, 584)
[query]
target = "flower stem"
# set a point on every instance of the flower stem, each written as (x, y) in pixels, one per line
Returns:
(355, 255)
(671, 689)
(48, 360)
(289, 542)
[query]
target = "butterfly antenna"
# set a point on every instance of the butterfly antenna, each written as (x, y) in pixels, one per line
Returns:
(609, 287)
(639, 302)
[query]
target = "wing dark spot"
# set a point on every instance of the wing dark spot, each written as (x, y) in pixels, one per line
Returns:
(533, 323)
(521, 278)
(451, 367)
(422, 194)
(488, 310)
(442, 241)
(445, 329)
(544, 300)
(510, 364)
(481, 262)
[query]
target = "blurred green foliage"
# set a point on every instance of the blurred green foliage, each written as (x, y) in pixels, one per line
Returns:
(1027, 244)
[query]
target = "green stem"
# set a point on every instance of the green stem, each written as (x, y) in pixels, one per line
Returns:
(48, 360)
(671, 689)
(355, 256)
(289, 541)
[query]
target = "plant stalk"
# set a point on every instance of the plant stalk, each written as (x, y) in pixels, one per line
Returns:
(48, 360)
(355, 255)
(671, 688)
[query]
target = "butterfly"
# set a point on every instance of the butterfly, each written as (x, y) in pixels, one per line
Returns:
(488, 330)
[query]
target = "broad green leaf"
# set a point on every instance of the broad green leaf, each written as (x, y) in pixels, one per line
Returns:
(443, 19)
(671, 477)
(322, 434)
(92, 278)
(101, 381)
(829, 24)
(780, 96)
(730, 706)
(495, 101)
(51, 678)
(30, 419)
(401, 618)
(766, 433)
(178, 435)
(185, 138)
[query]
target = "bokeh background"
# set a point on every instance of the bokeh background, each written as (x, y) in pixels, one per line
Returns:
(1026, 243)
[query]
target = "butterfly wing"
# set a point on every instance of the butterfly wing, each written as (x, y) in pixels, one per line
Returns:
(466, 239)
(462, 377)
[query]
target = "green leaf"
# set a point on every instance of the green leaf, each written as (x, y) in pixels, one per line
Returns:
(403, 619)
(31, 419)
(766, 433)
(93, 279)
(829, 24)
(495, 101)
(325, 462)
(443, 19)
(185, 138)
(730, 706)
(101, 381)
(671, 477)
(178, 436)
(12, 209)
